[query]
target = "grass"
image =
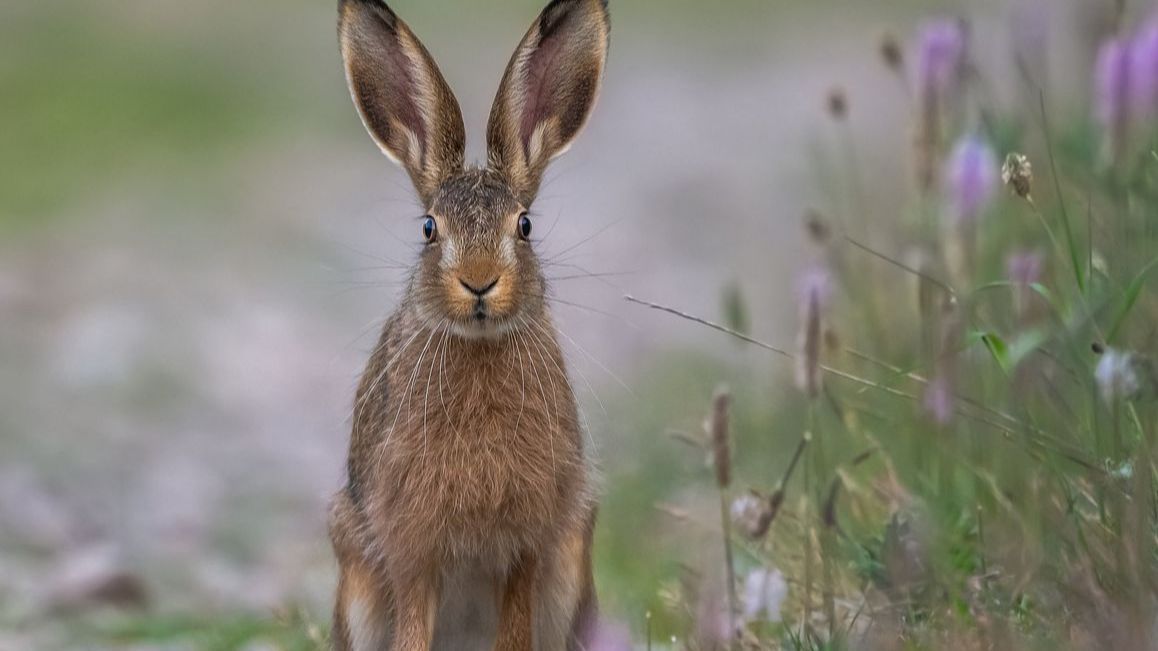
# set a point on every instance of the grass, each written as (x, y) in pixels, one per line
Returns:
(289, 632)
(1023, 518)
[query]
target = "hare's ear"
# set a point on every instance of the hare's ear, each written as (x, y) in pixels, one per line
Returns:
(402, 97)
(548, 91)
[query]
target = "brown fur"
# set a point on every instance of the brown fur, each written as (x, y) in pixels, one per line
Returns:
(467, 517)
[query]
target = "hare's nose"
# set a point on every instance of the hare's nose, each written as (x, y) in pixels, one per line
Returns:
(479, 290)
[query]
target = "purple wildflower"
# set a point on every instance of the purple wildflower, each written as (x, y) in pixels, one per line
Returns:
(972, 175)
(814, 289)
(1024, 268)
(1112, 94)
(939, 400)
(1143, 72)
(715, 628)
(606, 636)
(941, 54)
(940, 71)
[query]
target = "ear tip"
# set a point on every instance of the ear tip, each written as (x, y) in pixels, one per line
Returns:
(553, 14)
(379, 7)
(555, 5)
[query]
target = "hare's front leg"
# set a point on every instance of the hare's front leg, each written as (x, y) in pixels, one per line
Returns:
(415, 608)
(516, 616)
(362, 611)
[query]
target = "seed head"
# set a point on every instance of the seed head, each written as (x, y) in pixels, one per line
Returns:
(814, 289)
(817, 228)
(735, 308)
(752, 515)
(718, 434)
(891, 52)
(837, 104)
(1017, 174)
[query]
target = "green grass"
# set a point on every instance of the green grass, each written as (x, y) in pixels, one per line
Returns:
(1026, 520)
(207, 633)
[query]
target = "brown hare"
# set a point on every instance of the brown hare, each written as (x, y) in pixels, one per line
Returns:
(467, 516)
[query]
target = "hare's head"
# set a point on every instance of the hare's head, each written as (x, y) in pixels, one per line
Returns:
(478, 269)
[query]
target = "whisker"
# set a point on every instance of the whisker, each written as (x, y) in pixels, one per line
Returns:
(597, 362)
(601, 231)
(588, 308)
(409, 387)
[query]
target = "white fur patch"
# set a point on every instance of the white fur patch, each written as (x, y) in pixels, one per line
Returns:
(449, 253)
(508, 251)
(367, 633)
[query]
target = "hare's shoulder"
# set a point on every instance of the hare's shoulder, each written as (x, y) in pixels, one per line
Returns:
(371, 403)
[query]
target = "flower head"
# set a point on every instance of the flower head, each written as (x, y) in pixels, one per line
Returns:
(813, 291)
(971, 178)
(752, 514)
(941, 52)
(891, 52)
(764, 592)
(1017, 174)
(1112, 93)
(1143, 72)
(717, 429)
(606, 636)
(1125, 375)
(939, 400)
(1024, 267)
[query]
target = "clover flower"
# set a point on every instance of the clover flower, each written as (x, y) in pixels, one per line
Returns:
(605, 636)
(940, 73)
(971, 177)
(764, 593)
(941, 54)
(1142, 86)
(1125, 375)
(1112, 95)
(1024, 269)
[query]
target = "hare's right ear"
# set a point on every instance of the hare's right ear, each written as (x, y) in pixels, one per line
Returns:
(548, 91)
(402, 97)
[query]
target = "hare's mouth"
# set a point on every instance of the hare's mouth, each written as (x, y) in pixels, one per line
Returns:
(482, 325)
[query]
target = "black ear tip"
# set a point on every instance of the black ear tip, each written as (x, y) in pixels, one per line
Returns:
(556, 10)
(377, 7)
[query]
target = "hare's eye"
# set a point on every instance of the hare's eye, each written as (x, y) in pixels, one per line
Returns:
(429, 229)
(524, 226)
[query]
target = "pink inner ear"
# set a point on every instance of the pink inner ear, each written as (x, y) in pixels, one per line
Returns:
(541, 78)
(404, 90)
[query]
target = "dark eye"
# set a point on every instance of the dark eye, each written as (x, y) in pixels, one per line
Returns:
(524, 226)
(429, 229)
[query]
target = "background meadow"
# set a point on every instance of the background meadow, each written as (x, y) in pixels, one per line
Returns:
(198, 244)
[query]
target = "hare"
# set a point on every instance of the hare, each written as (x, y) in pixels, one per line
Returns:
(467, 517)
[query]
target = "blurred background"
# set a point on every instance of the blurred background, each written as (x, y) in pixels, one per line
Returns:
(199, 243)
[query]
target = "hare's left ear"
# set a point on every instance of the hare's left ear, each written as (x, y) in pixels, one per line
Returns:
(548, 91)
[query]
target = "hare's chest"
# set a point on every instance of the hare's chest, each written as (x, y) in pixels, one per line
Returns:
(490, 461)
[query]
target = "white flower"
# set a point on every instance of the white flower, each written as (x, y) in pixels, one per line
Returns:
(1117, 375)
(764, 592)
